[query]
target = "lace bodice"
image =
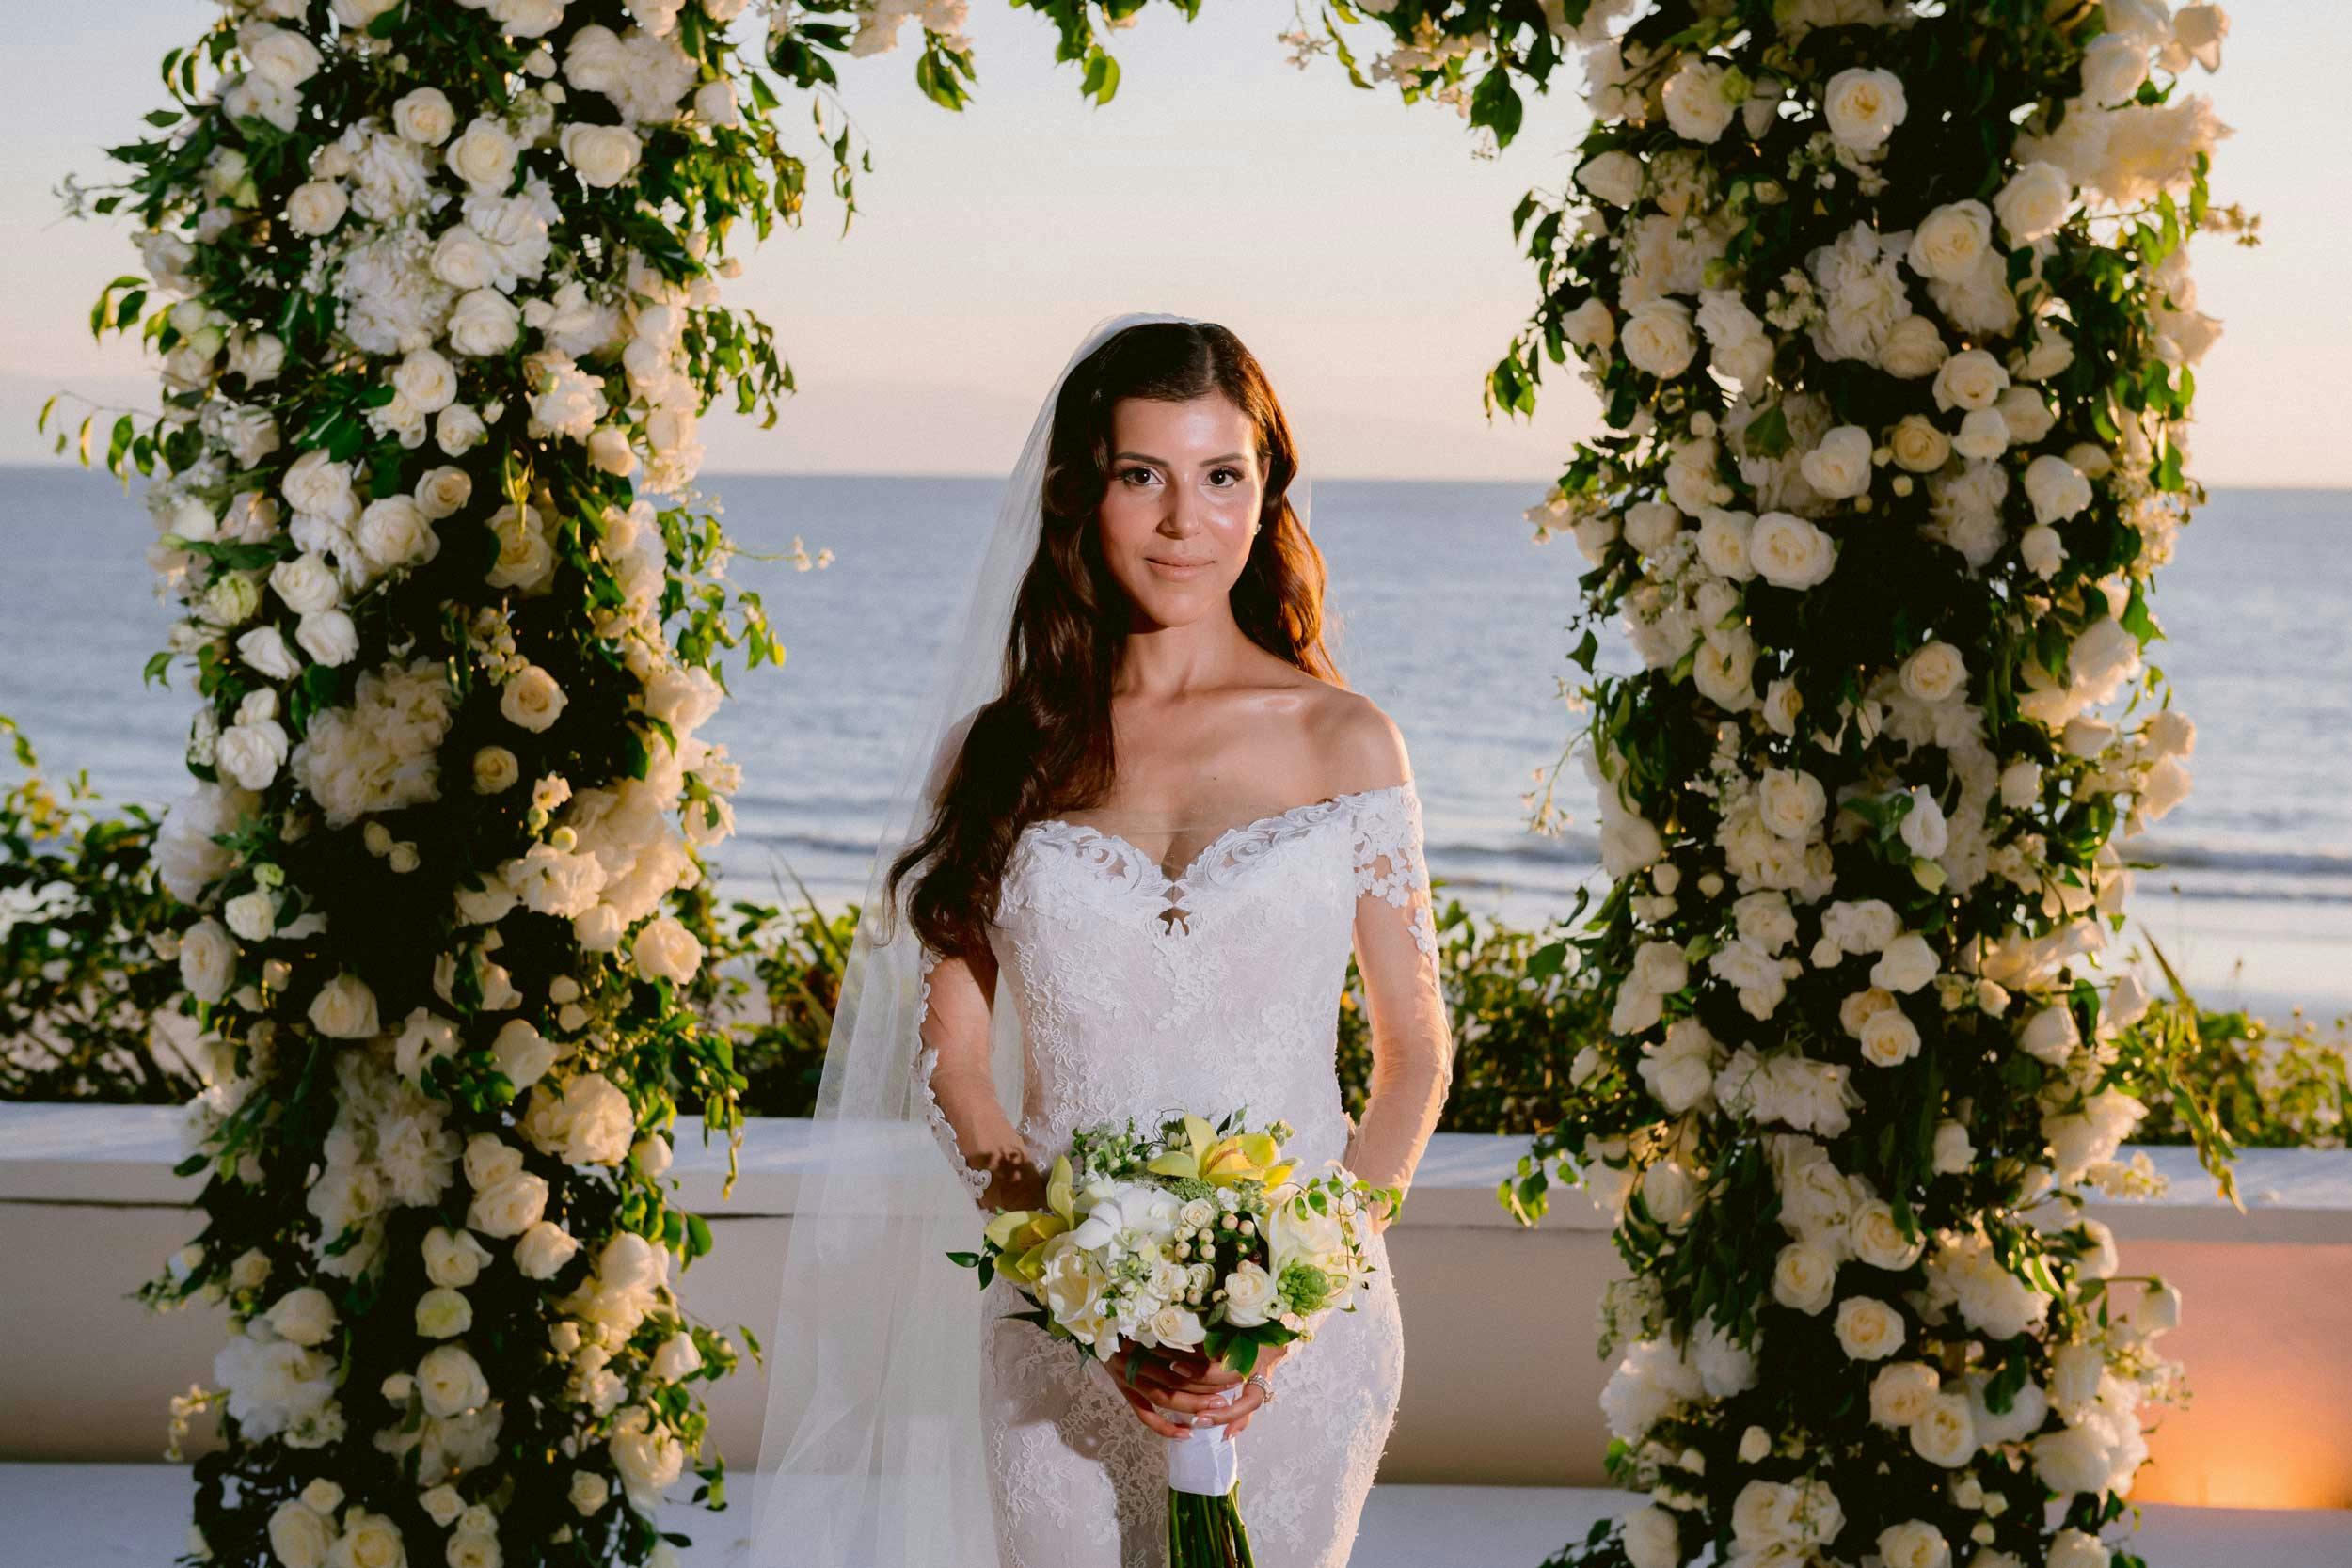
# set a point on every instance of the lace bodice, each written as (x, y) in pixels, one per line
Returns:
(1140, 994)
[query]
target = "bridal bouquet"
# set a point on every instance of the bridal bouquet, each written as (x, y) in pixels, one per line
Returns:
(1194, 1238)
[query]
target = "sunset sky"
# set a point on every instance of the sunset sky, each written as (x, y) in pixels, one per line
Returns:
(1358, 245)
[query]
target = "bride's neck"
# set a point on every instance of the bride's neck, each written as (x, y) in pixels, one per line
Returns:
(1158, 663)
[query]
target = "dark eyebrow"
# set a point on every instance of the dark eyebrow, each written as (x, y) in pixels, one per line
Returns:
(1161, 462)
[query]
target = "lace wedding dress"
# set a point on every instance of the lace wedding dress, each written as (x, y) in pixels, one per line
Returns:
(1139, 995)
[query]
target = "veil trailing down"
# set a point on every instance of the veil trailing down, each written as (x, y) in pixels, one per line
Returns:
(872, 1454)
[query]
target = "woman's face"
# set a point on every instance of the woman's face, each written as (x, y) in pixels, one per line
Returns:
(1184, 487)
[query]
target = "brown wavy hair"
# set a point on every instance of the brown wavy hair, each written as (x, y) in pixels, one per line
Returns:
(1043, 745)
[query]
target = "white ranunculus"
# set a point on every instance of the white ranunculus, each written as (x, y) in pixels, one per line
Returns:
(533, 700)
(316, 207)
(1970, 379)
(344, 1008)
(602, 154)
(2034, 204)
(1951, 241)
(1658, 337)
(1614, 177)
(1869, 1329)
(1839, 465)
(484, 322)
(1863, 107)
(1789, 551)
(1697, 106)
(2056, 488)
(666, 950)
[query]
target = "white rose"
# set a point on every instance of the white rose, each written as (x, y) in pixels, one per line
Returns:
(298, 1536)
(495, 769)
(1935, 672)
(666, 950)
(442, 492)
(1590, 326)
(648, 1457)
(1788, 550)
(1614, 177)
(1945, 1433)
(2041, 550)
(1862, 107)
(2056, 488)
(1249, 1297)
(543, 1249)
(2034, 204)
(1900, 1391)
(1906, 964)
(1658, 337)
(485, 322)
(394, 533)
(304, 1315)
(1839, 465)
(1695, 104)
(608, 452)
(510, 1207)
(251, 754)
(307, 584)
(1878, 1241)
(599, 1123)
(1869, 1329)
(315, 207)
(1983, 434)
(1913, 348)
(463, 260)
(1970, 379)
(208, 960)
(602, 154)
(427, 379)
(317, 484)
(2027, 414)
(2114, 65)
(714, 103)
(1803, 1278)
(676, 1358)
(457, 430)
(484, 157)
(329, 636)
(344, 1008)
(522, 1053)
(533, 700)
(1914, 1543)
(265, 649)
(1917, 446)
(2050, 1035)
(253, 916)
(425, 117)
(1723, 543)
(1652, 1538)
(443, 1313)
(1951, 241)
(1889, 1038)
(451, 1381)
(1792, 803)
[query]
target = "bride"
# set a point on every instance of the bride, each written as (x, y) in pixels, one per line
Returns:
(1134, 862)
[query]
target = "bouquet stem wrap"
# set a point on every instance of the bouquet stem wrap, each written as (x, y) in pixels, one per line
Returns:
(1204, 1524)
(1207, 1463)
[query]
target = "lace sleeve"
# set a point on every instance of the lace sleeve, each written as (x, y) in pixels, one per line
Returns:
(1396, 953)
(926, 1064)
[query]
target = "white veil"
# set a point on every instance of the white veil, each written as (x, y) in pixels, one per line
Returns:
(872, 1454)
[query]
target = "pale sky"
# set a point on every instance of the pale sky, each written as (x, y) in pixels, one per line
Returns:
(1355, 243)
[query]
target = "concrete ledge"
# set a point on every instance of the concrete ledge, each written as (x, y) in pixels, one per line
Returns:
(116, 1155)
(1501, 1387)
(137, 1516)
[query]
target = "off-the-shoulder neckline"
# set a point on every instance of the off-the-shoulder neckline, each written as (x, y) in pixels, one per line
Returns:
(1239, 829)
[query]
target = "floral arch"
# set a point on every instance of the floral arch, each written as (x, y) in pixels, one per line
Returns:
(1888, 307)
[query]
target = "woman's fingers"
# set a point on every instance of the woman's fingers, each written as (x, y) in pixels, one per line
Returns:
(1150, 1417)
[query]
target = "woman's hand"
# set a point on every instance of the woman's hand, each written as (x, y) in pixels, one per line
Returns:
(1190, 1382)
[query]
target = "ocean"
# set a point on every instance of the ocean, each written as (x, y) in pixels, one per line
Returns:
(1450, 617)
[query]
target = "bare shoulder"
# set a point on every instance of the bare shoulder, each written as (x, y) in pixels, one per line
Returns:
(1360, 744)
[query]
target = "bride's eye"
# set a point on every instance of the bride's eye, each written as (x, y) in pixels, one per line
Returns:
(1130, 474)
(1236, 472)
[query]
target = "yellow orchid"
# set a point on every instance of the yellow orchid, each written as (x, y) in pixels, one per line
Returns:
(1224, 1161)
